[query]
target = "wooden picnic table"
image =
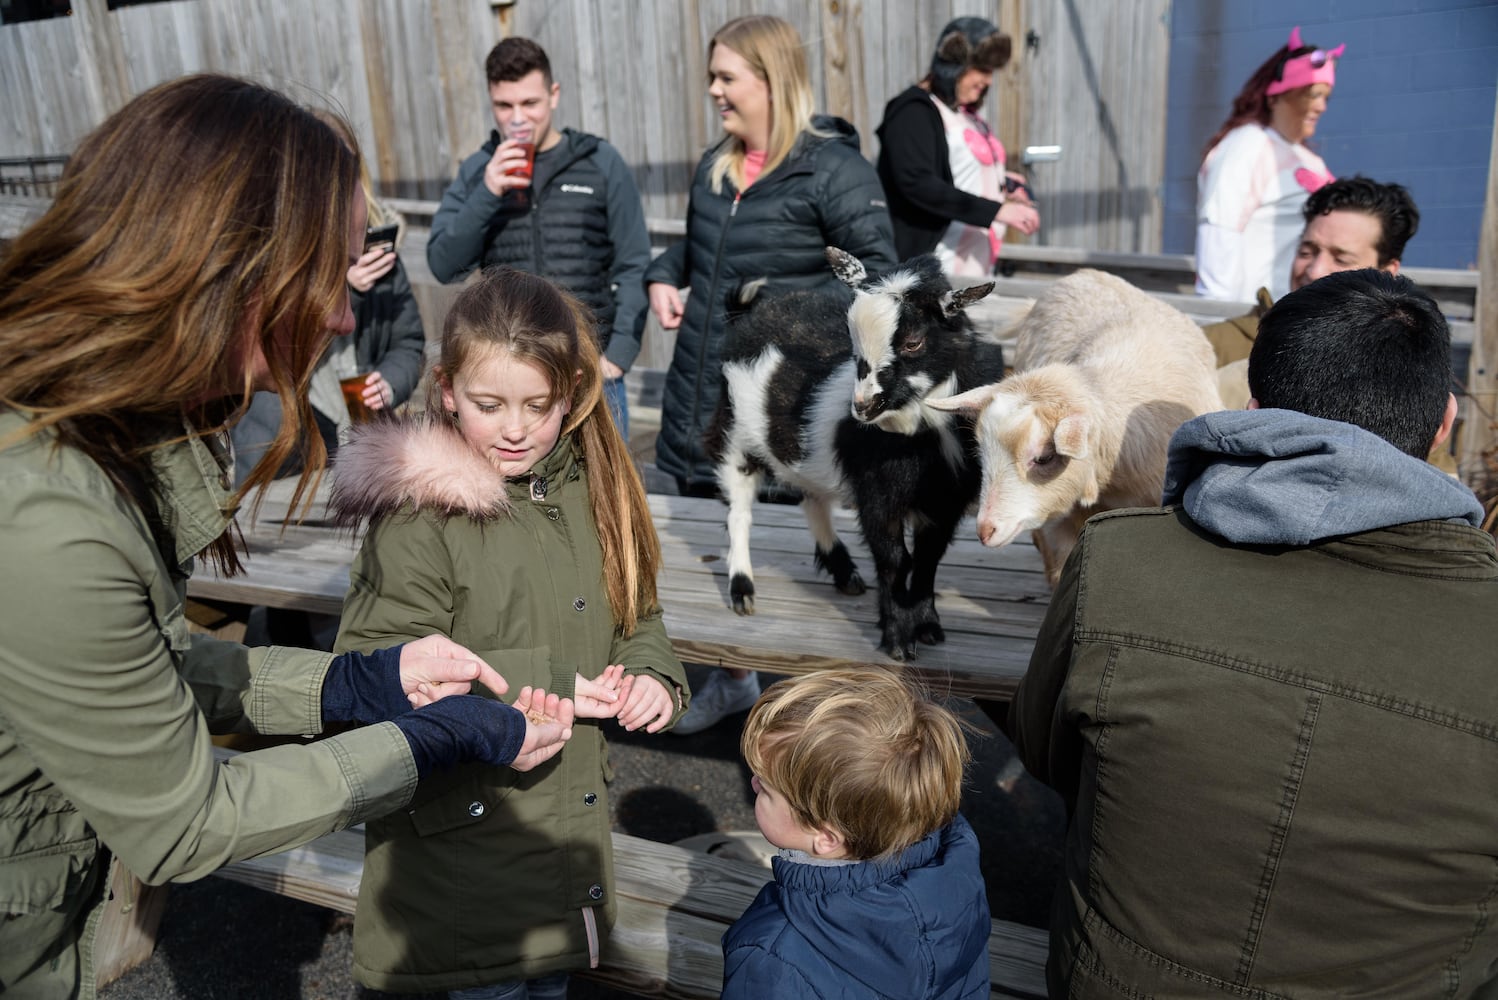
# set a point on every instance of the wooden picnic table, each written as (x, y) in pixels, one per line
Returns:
(991, 601)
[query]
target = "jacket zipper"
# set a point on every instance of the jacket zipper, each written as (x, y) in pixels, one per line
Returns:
(534, 210)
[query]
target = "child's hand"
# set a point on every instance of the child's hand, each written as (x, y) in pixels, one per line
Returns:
(548, 725)
(599, 698)
(646, 702)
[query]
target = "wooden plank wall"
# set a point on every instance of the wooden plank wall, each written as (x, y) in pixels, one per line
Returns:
(409, 75)
(1096, 87)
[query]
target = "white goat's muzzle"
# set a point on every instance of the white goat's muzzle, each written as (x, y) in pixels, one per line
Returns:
(998, 533)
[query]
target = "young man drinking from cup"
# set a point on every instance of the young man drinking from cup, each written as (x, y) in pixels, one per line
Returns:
(538, 198)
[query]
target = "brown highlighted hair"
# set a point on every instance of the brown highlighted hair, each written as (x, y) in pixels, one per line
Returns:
(861, 751)
(204, 221)
(527, 317)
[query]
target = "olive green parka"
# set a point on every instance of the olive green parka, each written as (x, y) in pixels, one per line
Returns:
(107, 703)
(490, 875)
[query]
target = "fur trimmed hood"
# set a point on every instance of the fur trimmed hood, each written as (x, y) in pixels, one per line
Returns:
(421, 461)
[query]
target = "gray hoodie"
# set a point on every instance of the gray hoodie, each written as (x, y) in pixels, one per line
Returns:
(1280, 477)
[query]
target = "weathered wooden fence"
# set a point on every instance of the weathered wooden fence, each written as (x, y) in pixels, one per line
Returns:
(409, 75)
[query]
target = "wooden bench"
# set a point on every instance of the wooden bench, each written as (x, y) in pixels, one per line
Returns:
(991, 601)
(673, 908)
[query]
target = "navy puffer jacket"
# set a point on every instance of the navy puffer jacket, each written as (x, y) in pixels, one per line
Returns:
(824, 194)
(915, 926)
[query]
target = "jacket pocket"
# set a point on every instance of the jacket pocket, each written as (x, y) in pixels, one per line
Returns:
(42, 880)
(464, 803)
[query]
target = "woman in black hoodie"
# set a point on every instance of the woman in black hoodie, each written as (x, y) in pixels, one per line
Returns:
(933, 127)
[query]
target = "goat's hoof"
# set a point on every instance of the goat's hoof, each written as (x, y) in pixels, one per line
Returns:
(741, 593)
(853, 586)
(900, 651)
(931, 634)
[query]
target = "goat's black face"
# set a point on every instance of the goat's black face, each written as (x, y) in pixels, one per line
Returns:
(907, 341)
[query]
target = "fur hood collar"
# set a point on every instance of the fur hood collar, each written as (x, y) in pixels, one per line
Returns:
(420, 461)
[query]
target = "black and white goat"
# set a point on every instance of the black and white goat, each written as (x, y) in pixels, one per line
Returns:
(844, 419)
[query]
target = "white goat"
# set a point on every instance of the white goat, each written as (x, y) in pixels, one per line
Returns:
(1104, 374)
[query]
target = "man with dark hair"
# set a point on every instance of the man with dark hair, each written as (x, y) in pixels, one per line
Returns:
(1350, 223)
(558, 203)
(1270, 705)
(1353, 223)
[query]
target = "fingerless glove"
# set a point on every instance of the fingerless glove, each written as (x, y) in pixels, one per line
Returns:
(364, 687)
(463, 728)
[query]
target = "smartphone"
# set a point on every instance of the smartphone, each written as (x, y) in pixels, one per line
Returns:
(381, 236)
(1011, 185)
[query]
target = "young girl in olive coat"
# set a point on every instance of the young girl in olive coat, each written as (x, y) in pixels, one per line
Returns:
(513, 520)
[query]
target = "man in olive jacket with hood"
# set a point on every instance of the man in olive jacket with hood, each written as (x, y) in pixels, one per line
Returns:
(1271, 706)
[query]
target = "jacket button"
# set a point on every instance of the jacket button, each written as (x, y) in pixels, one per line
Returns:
(590, 799)
(579, 604)
(475, 809)
(552, 513)
(595, 891)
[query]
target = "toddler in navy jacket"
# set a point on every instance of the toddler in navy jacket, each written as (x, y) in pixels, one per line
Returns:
(877, 891)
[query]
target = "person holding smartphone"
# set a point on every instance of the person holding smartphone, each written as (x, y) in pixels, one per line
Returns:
(386, 350)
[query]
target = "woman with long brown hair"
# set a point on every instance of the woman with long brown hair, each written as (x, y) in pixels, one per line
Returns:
(387, 346)
(195, 252)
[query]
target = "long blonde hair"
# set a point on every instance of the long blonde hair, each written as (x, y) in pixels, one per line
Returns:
(529, 318)
(774, 51)
(205, 221)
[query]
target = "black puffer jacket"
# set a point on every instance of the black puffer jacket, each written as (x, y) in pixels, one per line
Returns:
(824, 194)
(581, 225)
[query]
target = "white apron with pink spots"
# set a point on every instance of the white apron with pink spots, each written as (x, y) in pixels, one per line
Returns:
(977, 160)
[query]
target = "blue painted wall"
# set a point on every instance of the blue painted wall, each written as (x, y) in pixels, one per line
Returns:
(1413, 102)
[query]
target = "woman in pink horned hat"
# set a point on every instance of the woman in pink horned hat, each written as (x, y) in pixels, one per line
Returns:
(1257, 173)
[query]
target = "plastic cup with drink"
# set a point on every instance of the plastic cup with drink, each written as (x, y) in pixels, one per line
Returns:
(353, 397)
(525, 143)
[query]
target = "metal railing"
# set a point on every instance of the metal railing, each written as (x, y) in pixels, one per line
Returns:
(31, 176)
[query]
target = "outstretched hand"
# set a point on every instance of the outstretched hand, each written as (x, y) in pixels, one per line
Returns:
(645, 703)
(599, 698)
(434, 667)
(1019, 215)
(548, 725)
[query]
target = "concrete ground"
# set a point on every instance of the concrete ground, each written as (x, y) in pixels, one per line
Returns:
(221, 939)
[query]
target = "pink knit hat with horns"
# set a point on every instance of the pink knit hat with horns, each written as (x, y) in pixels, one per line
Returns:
(1319, 66)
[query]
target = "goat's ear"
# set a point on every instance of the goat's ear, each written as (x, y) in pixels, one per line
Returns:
(746, 292)
(970, 403)
(959, 299)
(848, 268)
(1070, 436)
